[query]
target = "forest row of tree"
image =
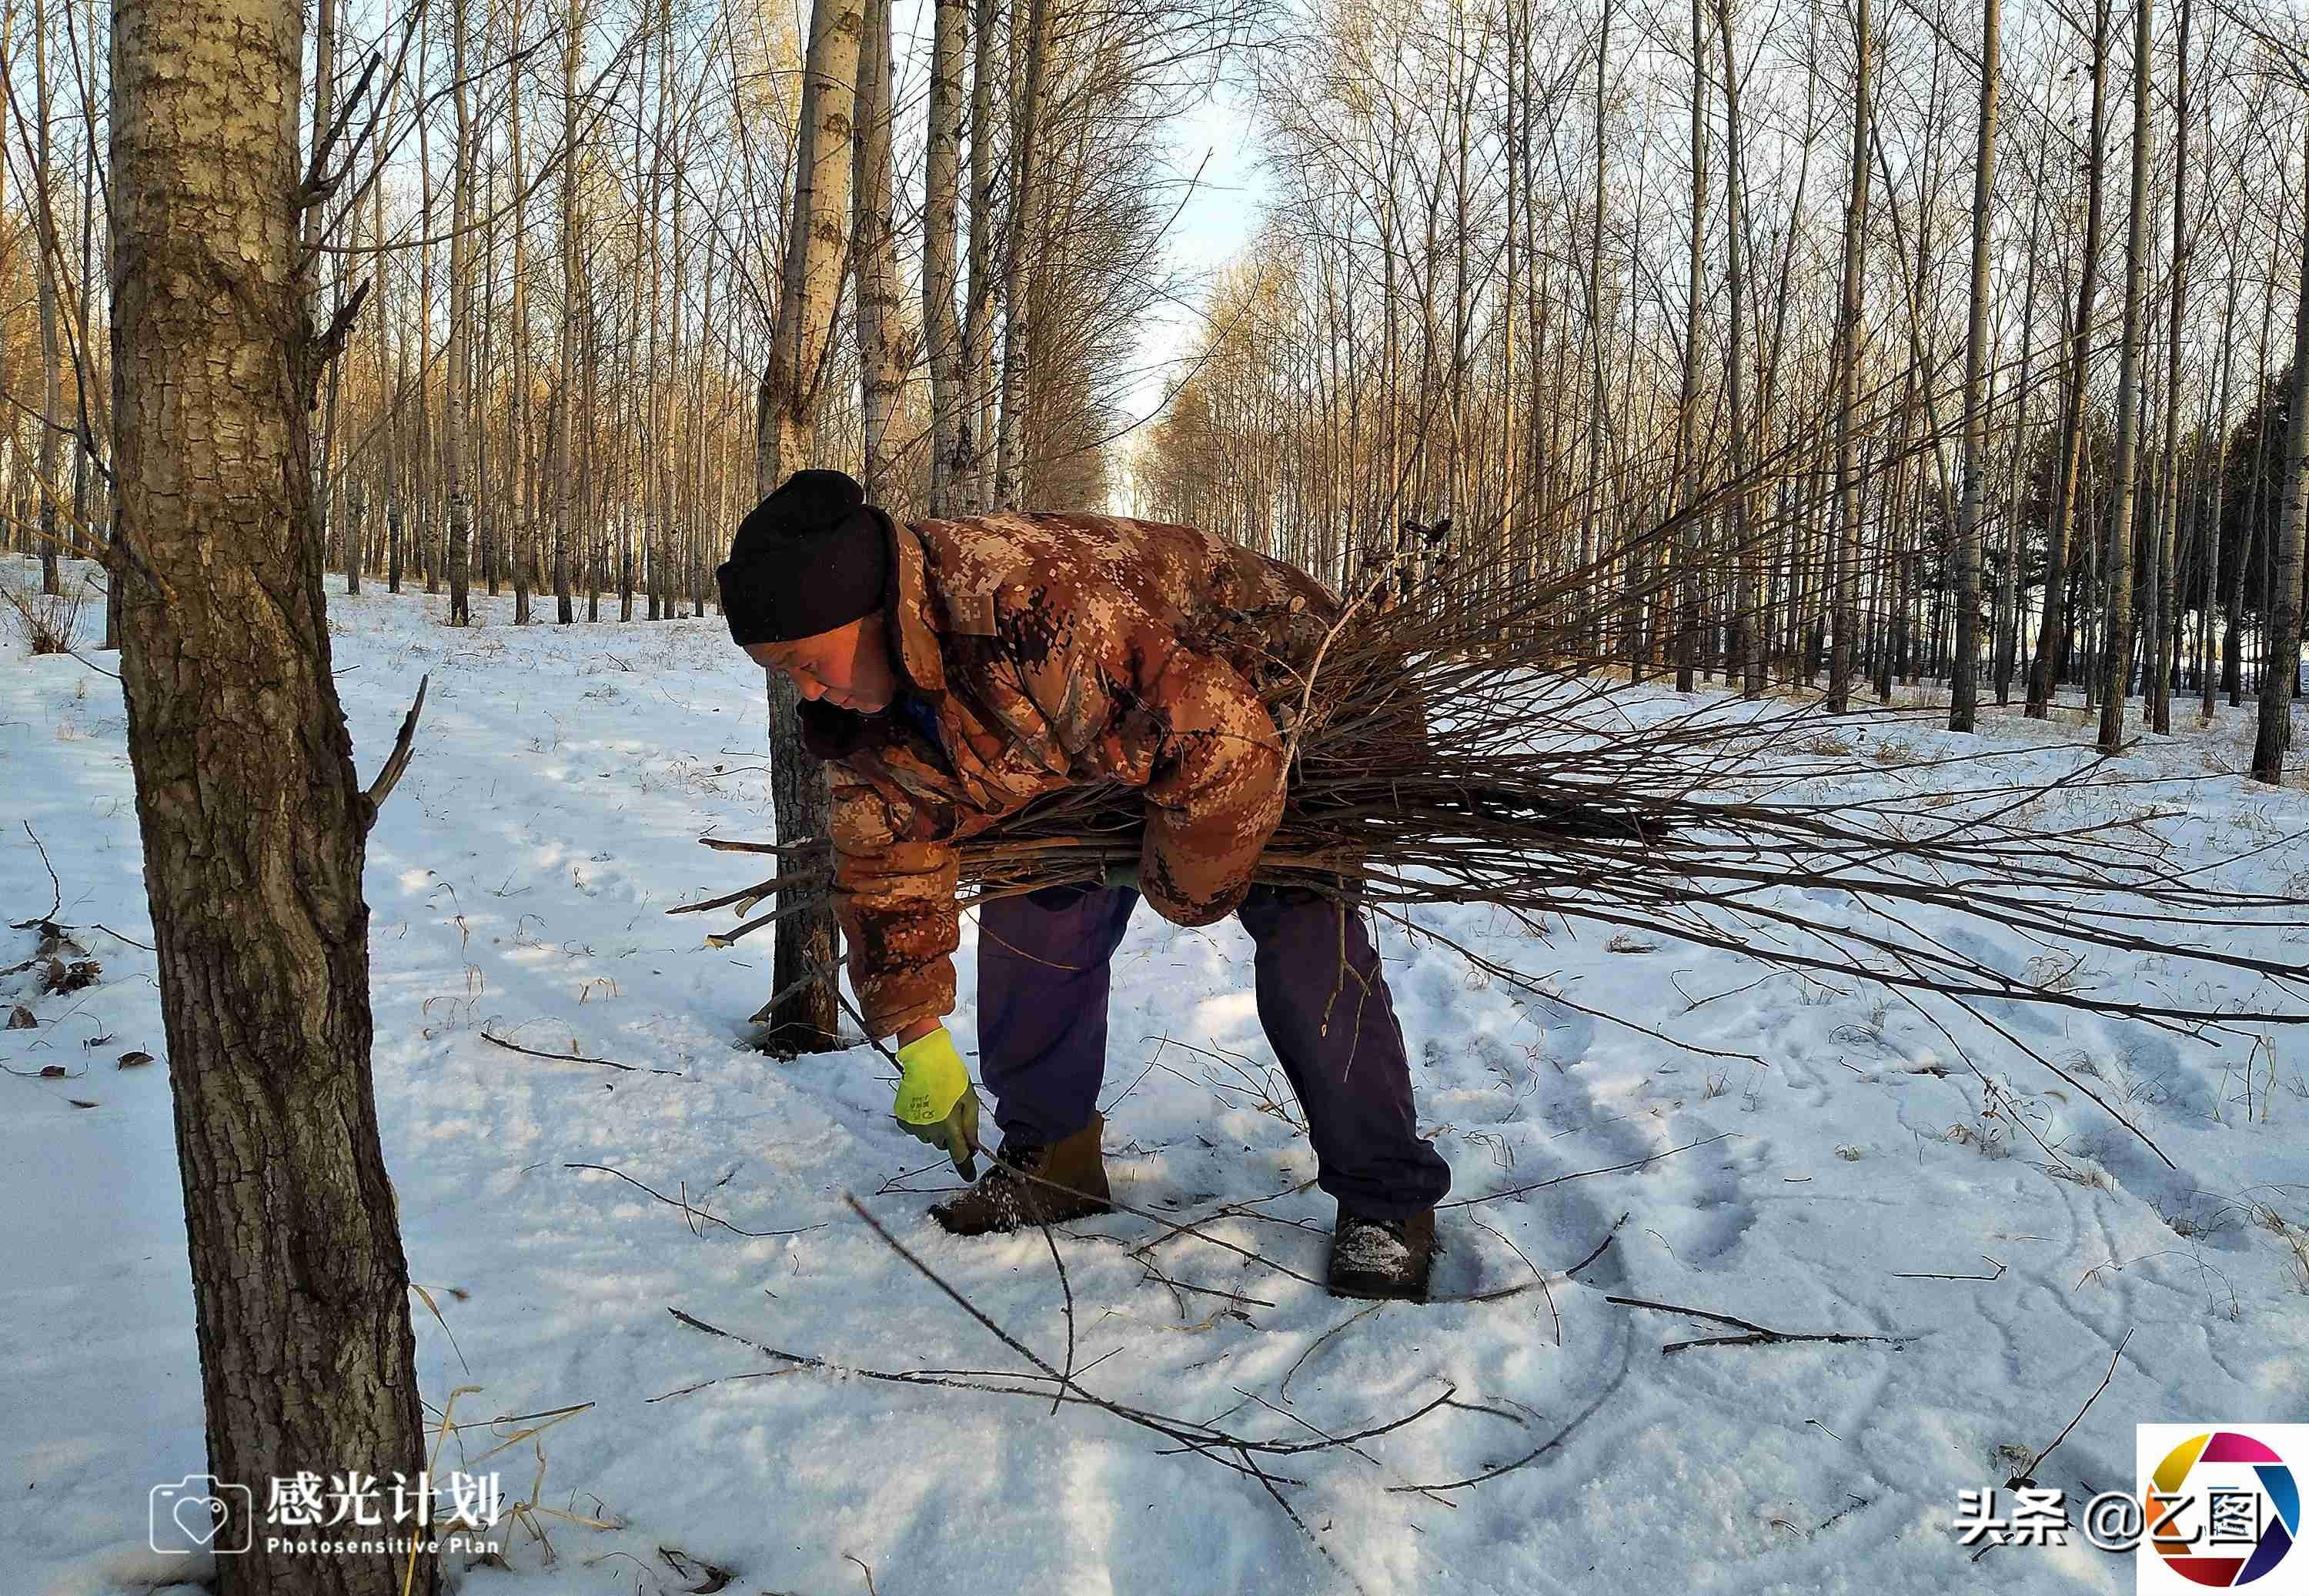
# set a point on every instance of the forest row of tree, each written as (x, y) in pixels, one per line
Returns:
(1886, 340)
(554, 236)
(1956, 343)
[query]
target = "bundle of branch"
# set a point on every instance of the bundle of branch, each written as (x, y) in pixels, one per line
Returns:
(1479, 740)
(1460, 753)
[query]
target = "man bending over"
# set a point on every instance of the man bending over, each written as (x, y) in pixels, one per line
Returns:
(952, 672)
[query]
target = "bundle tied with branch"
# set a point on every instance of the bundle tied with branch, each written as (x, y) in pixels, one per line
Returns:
(1474, 742)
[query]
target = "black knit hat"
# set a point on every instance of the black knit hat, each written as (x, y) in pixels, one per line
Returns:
(807, 559)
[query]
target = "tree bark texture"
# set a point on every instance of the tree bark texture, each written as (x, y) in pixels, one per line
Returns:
(1964, 676)
(973, 485)
(816, 240)
(52, 386)
(1017, 263)
(2117, 640)
(941, 172)
(2052, 638)
(883, 357)
(459, 356)
(1845, 628)
(2282, 657)
(1687, 408)
(253, 822)
(806, 1016)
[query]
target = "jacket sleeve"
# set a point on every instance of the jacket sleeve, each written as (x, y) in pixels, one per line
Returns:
(896, 900)
(1216, 792)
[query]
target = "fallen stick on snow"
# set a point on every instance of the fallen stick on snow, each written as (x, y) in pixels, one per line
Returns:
(1756, 1334)
(690, 1211)
(631, 1069)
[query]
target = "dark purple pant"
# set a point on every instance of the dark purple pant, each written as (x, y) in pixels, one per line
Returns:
(1042, 982)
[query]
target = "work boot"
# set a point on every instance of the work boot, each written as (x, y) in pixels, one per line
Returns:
(1387, 1259)
(1002, 1201)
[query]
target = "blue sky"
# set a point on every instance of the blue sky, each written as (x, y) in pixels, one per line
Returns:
(1214, 228)
(1214, 132)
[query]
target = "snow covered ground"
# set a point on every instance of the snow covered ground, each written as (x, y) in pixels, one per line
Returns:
(518, 880)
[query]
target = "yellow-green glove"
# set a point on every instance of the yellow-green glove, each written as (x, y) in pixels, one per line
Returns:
(936, 1102)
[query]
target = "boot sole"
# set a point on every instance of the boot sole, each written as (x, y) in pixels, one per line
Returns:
(1378, 1291)
(1022, 1223)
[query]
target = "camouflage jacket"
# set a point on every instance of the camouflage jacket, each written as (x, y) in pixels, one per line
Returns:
(1057, 651)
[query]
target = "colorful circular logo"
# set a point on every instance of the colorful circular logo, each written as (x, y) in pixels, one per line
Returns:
(2223, 1509)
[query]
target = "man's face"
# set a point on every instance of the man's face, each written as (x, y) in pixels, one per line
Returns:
(848, 667)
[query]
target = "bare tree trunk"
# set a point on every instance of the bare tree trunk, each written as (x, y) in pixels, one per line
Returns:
(2116, 644)
(2012, 600)
(1025, 236)
(392, 371)
(805, 1019)
(2281, 658)
(592, 523)
(941, 161)
(661, 467)
(52, 385)
(356, 518)
(565, 383)
(972, 453)
(421, 455)
(817, 242)
(325, 108)
(84, 361)
(389, 495)
(1843, 634)
(2168, 520)
(874, 255)
(1687, 419)
(2233, 637)
(1964, 678)
(253, 820)
(1746, 598)
(2213, 446)
(490, 518)
(2052, 639)
(1593, 583)
(524, 530)
(459, 354)
(11, 461)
